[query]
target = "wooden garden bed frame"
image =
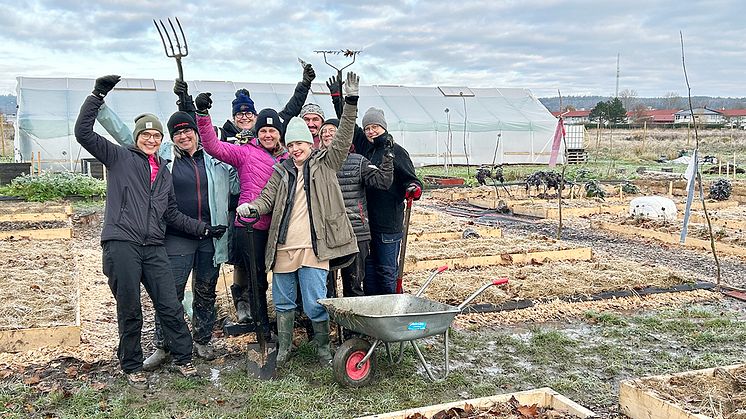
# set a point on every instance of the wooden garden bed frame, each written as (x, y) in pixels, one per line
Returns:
(692, 243)
(640, 403)
(543, 397)
(582, 253)
(454, 235)
(62, 215)
(40, 234)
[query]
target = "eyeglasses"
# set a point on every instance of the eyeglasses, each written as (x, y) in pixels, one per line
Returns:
(147, 135)
(245, 115)
(372, 128)
(332, 130)
(182, 132)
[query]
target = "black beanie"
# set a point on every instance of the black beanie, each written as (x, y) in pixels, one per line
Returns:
(180, 120)
(268, 118)
(331, 121)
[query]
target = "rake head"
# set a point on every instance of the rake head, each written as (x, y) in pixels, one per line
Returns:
(344, 52)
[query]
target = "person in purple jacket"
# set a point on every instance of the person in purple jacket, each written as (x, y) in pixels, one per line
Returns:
(253, 161)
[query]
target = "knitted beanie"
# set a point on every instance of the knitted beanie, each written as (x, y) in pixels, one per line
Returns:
(311, 108)
(268, 118)
(242, 102)
(146, 121)
(374, 116)
(298, 131)
(178, 121)
(331, 121)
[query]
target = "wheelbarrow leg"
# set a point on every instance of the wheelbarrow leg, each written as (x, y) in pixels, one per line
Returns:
(424, 362)
(369, 354)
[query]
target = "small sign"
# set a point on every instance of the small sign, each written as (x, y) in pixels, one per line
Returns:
(417, 326)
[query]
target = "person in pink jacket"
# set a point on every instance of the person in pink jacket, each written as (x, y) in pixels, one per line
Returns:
(253, 162)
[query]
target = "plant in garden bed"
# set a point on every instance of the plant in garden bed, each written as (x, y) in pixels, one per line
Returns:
(49, 186)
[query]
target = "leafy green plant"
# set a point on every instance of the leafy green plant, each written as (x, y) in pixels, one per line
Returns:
(49, 186)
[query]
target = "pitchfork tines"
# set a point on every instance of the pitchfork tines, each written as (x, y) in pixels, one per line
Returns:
(174, 48)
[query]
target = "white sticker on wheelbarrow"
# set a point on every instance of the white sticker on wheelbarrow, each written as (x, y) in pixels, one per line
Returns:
(417, 326)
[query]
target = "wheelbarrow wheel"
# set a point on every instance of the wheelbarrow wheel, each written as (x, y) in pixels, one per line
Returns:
(345, 363)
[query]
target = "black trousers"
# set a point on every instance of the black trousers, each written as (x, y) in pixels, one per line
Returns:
(352, 275)
(241, 244)
(127, 265)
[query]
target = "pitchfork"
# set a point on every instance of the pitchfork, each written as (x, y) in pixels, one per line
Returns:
(180, 51)
(346, 53)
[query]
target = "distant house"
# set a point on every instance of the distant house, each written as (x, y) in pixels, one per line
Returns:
(652, 116)
(574, 117)
(734, 118)
(702, 116)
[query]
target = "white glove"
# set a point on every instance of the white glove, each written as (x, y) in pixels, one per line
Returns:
(352, 84)
(247, 210)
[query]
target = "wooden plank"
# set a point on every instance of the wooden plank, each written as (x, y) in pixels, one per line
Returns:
(35, 216)
(41, 234)
(544, 397)
(583, 253)
(691, 243)
(720, 222)
(638, 403)
(26, 339)
(553, 213)
(454, 235)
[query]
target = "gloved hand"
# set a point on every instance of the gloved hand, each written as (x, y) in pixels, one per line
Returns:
(334, 86)
(247, 210)
(203, 102)
(181, 88)
(352, 85)
(413, 191)
(215, 232)
(185, 102)
(104, 85)
(308, 74)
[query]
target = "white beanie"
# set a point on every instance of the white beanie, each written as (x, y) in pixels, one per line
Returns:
(311, 108)
(297, 130)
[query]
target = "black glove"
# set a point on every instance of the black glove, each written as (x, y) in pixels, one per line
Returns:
(104, 85)
(308, 74)
(334, 85)
(181, 88)
(203, 102)
(185, 102)
(215, 232)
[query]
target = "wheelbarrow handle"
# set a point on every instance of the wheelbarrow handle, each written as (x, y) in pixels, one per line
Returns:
(499, 281)
(430, 279)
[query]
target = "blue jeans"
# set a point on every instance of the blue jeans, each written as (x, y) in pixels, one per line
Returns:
(312, 287)
(382, 264)
(204, 280)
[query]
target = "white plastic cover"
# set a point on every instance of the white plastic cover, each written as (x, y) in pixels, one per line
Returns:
(653, 207)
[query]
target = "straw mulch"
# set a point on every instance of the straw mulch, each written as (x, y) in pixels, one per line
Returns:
(485, 246)
(718, 395)
(545, 281)
(39, 287)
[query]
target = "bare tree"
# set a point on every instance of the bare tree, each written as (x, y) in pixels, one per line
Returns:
(672, 100)
(628, 98)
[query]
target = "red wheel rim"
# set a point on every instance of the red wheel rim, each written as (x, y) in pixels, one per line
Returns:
(353, 371)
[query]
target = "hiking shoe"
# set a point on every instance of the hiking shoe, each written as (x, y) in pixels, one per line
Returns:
(204, 351)
(159, 357)
(188, 370)
(137, 380)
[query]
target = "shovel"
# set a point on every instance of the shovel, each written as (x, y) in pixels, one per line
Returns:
(261, 357)
(403, 252)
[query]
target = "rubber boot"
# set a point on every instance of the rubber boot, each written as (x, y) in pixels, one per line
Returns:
(321, 338)
(285, 323)
(241, 301)
(158, 358)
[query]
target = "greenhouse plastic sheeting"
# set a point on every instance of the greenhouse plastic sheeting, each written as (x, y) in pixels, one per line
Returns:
(416, 117)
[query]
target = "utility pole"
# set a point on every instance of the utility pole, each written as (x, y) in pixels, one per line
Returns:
(616, 92)
(2, 132)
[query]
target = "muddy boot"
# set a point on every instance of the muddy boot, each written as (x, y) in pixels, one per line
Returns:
(285, 323)
(159, 357)
(241, 301)
(321, 338)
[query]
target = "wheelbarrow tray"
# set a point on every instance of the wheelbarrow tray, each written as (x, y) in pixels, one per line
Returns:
(391, 318)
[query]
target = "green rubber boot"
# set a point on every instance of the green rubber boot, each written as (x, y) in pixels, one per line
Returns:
(321, 337)
(285, 323)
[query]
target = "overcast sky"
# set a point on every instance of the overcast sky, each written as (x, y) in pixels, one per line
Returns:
(542, 45)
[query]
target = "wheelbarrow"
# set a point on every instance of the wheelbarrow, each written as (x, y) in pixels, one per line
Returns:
(390, 319)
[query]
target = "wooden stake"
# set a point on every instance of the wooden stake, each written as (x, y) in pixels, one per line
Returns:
(2, 132)
(32, 163)
(644, 134)
(621, 192)
(670, 188)
(734, 165)
(38, 162)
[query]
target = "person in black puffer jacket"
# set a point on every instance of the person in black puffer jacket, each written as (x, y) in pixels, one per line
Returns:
(356, 175)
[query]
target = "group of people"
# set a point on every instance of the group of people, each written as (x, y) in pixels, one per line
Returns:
(325, 195)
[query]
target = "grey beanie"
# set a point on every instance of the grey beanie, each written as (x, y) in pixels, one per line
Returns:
(374, 116)
(311, 108)
(146, 121)
(297, 130)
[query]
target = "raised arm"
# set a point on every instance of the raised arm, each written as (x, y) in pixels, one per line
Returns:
(221, 150)
(99, 147)
(294, 105)
(340, 146)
